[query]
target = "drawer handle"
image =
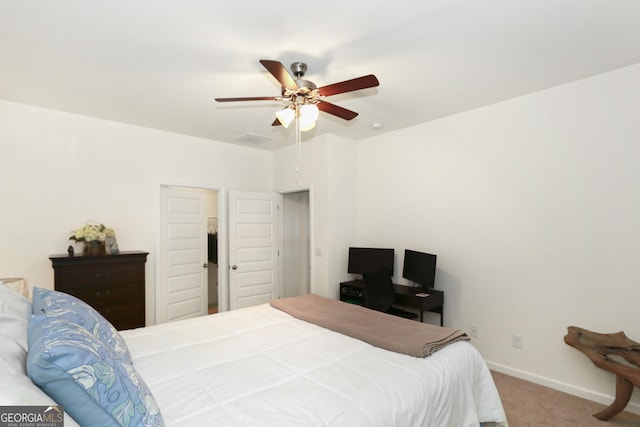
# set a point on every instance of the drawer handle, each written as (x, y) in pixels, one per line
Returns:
(107, 274)
(103, 294)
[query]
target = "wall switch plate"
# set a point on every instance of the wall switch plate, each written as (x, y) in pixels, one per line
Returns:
(473, 331)
(516, 341)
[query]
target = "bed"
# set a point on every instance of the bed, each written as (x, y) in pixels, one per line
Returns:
(257, 366)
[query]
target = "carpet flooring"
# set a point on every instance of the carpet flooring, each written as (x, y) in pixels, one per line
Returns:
(527, 404)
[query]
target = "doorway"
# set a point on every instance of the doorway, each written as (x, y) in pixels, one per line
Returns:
(211, 200)
(296, 244)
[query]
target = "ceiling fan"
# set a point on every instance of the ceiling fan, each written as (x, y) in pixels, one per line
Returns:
(304, 97)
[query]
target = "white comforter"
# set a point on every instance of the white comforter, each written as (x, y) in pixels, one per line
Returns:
(259, 366)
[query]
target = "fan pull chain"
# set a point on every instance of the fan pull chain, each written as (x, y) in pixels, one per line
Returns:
(299, 144)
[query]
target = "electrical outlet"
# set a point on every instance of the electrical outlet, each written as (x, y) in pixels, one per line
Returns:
(473, 331)
(516, 341)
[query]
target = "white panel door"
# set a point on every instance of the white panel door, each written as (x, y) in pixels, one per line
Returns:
(182, 285)
(252, 248)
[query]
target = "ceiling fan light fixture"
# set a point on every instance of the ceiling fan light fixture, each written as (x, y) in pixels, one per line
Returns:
(307, 126)
(308, 115)
(286, 116)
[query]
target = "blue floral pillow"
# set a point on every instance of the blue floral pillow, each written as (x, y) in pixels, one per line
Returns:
(59, 304)
(94, 384)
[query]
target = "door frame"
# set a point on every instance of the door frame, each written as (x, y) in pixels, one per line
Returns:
(223, 294)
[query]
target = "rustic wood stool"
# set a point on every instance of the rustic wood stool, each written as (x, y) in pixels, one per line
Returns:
(599, 348)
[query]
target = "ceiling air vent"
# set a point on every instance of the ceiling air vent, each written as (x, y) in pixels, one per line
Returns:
(252, 138)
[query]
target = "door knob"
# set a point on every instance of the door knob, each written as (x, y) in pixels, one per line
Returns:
(205, 265)
(234, 267)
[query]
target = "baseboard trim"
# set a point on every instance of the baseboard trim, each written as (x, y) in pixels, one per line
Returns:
(584, 393)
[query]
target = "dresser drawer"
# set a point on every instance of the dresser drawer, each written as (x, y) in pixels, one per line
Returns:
(104, 294)
(123, 315)
(73, 277)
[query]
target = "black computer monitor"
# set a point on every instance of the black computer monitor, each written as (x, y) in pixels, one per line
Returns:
(370, 260)
(420, 267)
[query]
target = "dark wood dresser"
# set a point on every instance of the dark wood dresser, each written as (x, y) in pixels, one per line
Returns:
(112, 284)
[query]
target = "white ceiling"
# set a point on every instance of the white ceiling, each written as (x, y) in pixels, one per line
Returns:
(160, 63)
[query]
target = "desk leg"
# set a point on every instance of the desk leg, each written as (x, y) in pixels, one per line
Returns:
(442, 316)
(421, 314)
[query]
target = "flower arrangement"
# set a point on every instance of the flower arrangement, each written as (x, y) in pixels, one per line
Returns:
(92, 233)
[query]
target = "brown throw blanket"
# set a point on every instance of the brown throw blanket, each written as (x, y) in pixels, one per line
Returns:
(376, 328)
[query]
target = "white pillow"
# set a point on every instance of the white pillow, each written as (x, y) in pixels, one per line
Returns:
(13, 357)
(17, 284)
(15, 310)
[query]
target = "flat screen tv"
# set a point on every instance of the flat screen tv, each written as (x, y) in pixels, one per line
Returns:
(420, 267)
(370, 260)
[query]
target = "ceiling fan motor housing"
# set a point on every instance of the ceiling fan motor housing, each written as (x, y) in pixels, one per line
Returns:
(298, 69)
(305, 88)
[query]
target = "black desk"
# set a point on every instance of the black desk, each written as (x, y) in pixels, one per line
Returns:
(353, 291)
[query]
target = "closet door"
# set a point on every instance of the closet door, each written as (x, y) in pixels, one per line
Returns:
(182, 284)
(253, 248)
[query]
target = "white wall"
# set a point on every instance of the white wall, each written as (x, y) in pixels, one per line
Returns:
(59, 170)
(533, 208)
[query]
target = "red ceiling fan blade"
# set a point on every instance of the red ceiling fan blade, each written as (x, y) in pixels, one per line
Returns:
(330, 108)
(280, 73)
(251, 98)
(358, 83)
